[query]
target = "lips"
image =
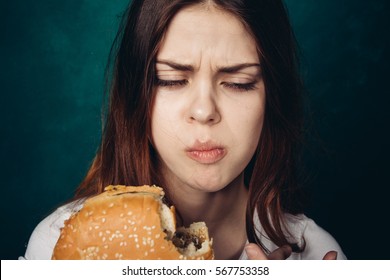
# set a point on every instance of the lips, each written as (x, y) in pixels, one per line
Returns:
(206, 153)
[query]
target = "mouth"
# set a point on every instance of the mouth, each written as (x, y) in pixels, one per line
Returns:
(206, 153)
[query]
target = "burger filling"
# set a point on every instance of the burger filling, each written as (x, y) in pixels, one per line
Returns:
(182, 239)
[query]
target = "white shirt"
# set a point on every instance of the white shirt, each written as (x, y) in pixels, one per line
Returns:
(318, 241)
(303, 229)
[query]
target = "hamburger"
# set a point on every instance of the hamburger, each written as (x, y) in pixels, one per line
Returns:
(128, 222)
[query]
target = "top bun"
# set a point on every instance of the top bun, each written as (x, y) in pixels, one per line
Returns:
(127, 222)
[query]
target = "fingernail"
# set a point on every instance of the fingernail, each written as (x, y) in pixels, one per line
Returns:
(251, 252)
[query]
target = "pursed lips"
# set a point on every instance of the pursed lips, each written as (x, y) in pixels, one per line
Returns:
(206, 152)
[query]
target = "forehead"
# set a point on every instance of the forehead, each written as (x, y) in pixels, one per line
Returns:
(201, 29)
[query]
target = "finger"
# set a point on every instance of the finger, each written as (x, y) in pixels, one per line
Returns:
(331, 255)
(281, 253)
(254, 252)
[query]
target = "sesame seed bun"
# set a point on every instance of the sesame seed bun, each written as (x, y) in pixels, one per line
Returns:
(126, 222)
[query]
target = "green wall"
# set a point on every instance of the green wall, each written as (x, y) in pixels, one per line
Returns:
(53, 55)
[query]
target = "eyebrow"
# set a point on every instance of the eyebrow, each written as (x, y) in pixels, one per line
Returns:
(226, 69)
(237, 67)
(176, 66)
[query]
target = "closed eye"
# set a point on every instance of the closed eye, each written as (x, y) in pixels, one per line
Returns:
(240, 86)
(171, 83)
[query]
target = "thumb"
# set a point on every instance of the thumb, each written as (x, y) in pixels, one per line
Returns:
(331, 255)
(254, 252)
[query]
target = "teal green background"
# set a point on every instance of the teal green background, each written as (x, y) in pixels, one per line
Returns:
(53, 55)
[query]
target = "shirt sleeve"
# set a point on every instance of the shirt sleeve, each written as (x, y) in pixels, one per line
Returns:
(319, 242)
(45, 235)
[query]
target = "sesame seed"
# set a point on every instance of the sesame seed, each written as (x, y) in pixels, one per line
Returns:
(157, 235)
(137, 246)
(111, 205)
(103, 220)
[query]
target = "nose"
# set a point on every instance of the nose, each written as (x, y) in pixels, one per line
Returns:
(203, 108)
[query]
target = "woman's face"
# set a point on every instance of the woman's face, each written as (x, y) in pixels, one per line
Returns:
(209, 105)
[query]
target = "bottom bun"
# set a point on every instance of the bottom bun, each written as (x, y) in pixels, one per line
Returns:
(130, 223)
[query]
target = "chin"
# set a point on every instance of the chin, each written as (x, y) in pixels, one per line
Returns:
(211, 178)
(209, 184)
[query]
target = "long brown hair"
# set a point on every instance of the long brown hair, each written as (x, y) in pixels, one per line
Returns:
(126, 155)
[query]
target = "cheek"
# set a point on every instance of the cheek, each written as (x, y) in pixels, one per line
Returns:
(247, 119)
(164, 122)
(249, 130)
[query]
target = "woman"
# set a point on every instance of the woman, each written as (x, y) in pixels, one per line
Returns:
(205, 100)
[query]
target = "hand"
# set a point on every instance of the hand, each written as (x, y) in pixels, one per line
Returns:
(331, 255)
(254, 252)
